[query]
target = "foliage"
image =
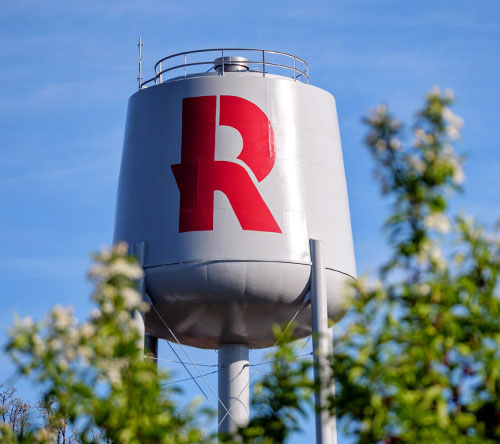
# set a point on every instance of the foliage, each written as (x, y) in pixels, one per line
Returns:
(15, 414)
(95, 370)
(419, 361)
(281, 397)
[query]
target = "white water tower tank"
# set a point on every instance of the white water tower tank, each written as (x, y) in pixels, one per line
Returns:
(225, 177)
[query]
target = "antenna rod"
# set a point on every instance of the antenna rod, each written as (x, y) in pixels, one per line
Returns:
(139, 77)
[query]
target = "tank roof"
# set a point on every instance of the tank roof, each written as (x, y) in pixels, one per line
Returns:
(223, 60)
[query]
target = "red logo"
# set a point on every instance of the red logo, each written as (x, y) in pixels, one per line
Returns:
(198, 175)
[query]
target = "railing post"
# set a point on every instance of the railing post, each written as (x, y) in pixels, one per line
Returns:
(185, 67)
(160, 73)
(294, 68)
(263, 63)
(222, 57)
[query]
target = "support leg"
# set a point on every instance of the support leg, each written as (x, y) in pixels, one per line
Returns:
(333, 418)
(139, 251)
(321, 345)
(151, 347)
(233, 387)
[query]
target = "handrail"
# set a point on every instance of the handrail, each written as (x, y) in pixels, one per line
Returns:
(298, 72)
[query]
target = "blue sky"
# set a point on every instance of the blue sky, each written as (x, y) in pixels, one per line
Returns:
(68, 68)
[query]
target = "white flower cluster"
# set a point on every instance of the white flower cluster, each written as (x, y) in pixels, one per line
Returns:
(416, 163)
(63, 317)
(116, 267)
(451, 159)
(111, 262)
(431, 253)
(377, 117)
(422, 138)
(73, 349)
(423, 289)
(113, 369)
(435, 92)
(454, 123)
(45, 435)
(458, 173)
(437, 221)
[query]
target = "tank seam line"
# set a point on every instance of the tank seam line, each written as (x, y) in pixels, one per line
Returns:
(195, 261)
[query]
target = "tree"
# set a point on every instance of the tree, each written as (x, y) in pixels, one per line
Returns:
(419, 361)
(15, 414)
(93, 373)
(57, 426)
(416, 360)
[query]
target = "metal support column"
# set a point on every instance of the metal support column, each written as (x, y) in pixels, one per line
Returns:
(234, 390)
(151, 347)
(322, 347)
(139, 251)
(333, 418)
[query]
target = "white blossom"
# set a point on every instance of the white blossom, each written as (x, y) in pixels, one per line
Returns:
(26, 322)
(437, 257)
(87, 330)
(105, 253)
(394, 144)
(39, 347)
(56, 345)
(72, 335)
(458, 172)
(416, 163)
(451, 117)
(381, 145)
(377, 285)
(120, 248)
(437, 221)
(62, 363)
(429, 155)
(85, 353)
(124, 316)
(435, 91)
(44, 435)
(63, 317)
(452, 132)
(449, 94)
(430, 252)
(69, 353)
(131, 297)
(97, 271)
(422, 137)
(381, 109)
(393, 124)
(121, 266)
(455, 123)
(423, 289)
(107, 308)
(95, 314)
(113, 369)
(378, 115)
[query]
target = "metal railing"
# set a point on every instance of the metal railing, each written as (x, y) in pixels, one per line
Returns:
(296, 67)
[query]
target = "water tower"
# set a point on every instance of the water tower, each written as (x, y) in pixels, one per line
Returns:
(232, 164)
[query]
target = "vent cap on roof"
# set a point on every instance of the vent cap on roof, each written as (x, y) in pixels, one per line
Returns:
(231, 64)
